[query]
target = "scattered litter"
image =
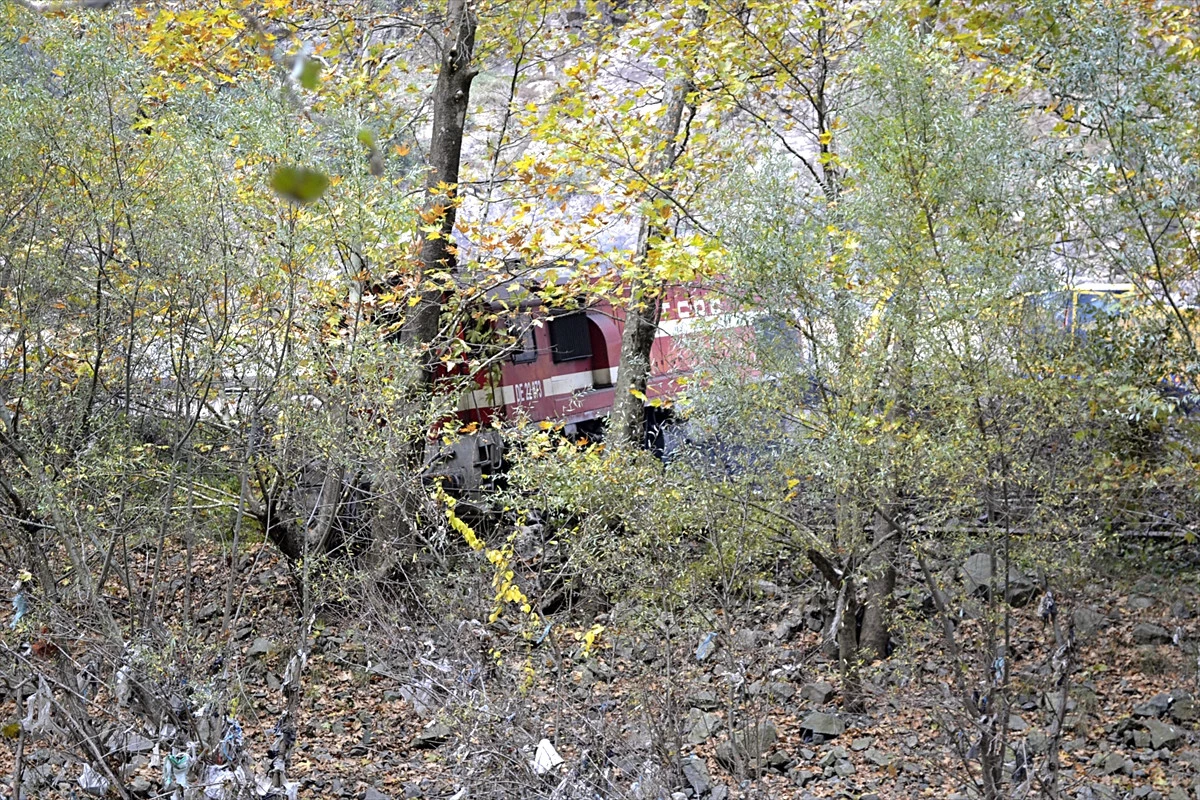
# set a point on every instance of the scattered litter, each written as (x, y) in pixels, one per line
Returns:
(440, 666)
(215, 779)
(37, 710)
(93, 782)
(545, 758)
(707, 645)
(291, 676)
(20, 601)
(420, 696)
(175, 769)
(232, 742)
(124, 690)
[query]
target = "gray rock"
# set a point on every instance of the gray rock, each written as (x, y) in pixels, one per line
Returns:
(1179, 610)
(705, 700)
(819, 693)
(432, 736)
(374, 794)
(207, 612)
(719, 792)
(779, 761)
(832, 756)
(1149, 633)
(781, 691)
(695, 772)
(802, 777)
(1114, 763)
(1088, 621)
(1154, 707)
(845, 769)
(759, 739)
(878, 757)
(600, 671)
(752, 745)
(746, 639)
(862, 743)
(825, 724)
(767, 589)
(1183, 707)
(1162, 734)
(977, 574)
(702, 725)
(261, 647)
(785, 629)
(139, 786)
(135, 743)
(1140, 602)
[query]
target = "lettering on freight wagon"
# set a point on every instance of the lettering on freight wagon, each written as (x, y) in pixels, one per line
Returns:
(527, 392)
(685, 309)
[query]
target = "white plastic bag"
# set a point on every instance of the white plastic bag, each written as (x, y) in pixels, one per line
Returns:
(545, 758)
(93, 782)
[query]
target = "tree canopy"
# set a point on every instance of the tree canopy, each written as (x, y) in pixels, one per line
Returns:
(902, 297)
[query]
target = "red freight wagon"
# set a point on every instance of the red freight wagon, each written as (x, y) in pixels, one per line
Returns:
(563, 369)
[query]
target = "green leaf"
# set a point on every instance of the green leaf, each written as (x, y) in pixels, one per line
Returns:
(299, 184)
(310, 74)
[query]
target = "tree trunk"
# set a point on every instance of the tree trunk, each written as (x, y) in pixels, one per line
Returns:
(437, 254)
(840, 576)
(627, 423)
(847, 638)
(881, 582)
(885, 542)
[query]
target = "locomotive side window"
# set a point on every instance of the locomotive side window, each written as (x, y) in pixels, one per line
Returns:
(525, 345)
(569, 337)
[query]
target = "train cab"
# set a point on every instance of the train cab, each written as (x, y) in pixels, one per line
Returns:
(561, 365)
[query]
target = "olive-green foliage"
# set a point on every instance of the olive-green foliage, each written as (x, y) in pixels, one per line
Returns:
(632, 527)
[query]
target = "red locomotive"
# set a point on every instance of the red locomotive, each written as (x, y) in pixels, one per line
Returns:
(563, 368)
